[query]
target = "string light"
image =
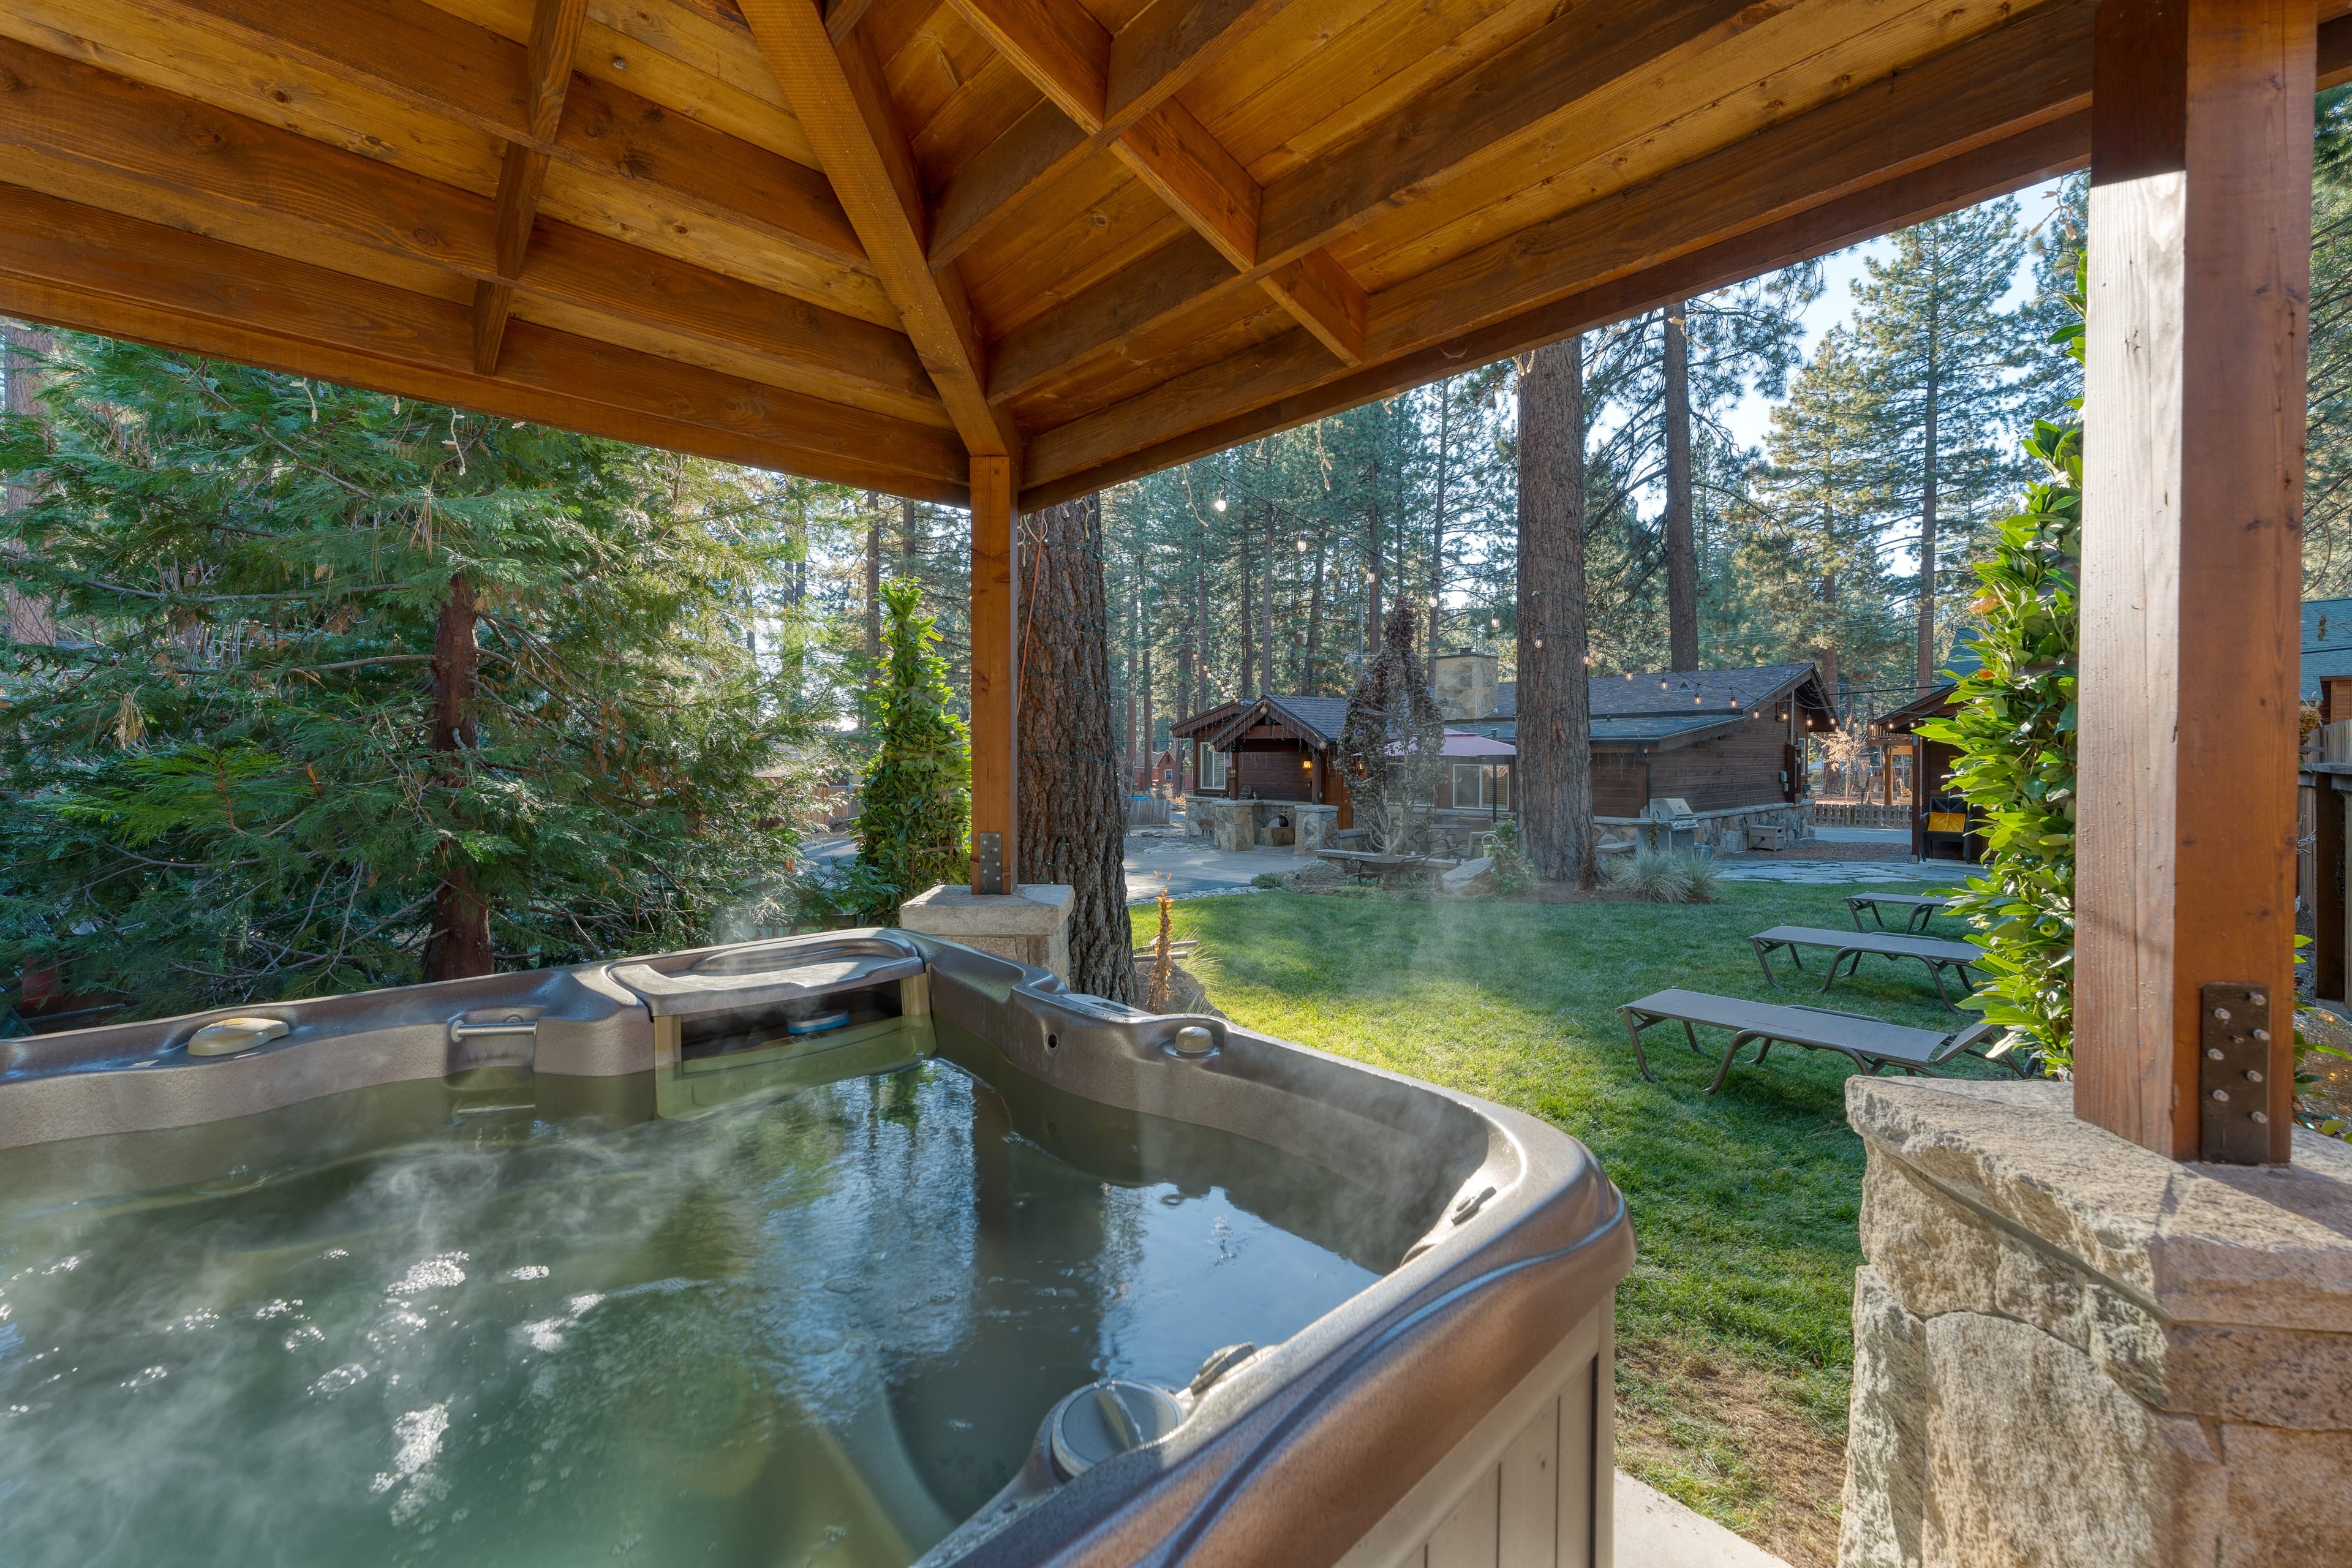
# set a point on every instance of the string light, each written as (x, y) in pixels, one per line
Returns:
(1219, 503)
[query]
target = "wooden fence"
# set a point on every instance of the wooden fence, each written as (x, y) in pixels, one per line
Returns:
(1859, 814)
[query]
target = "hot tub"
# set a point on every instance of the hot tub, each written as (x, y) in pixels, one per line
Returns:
(850, 1250)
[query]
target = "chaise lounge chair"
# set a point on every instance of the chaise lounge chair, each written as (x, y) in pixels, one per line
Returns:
(1874, 1044)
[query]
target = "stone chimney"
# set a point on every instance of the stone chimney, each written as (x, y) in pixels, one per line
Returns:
(1464, 684)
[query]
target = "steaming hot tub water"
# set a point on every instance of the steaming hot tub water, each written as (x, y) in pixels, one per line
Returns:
(814, 1327)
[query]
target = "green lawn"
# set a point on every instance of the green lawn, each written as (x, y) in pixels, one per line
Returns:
(1734, 1340)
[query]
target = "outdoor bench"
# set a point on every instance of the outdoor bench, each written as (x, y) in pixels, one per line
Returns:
(1918, 909)
(1873, 1044)
(1847, 948)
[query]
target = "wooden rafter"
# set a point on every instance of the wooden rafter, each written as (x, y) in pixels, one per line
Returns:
(79, 266)
(1412, 153)
(1059, 46)
(448, 68)
(1979, 174)
(82, 133)
(2004, 84)
(844, 107)
(554, 37)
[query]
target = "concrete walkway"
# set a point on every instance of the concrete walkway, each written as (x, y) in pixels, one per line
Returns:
(1654, 1531)
(1193, 868)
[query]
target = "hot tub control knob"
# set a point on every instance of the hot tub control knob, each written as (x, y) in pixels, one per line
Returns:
(1107, 1418)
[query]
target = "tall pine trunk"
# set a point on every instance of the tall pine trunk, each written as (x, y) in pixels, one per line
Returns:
(1265, 604)
(1314, 619)
(1073, 810)
(23, 619)
(1554, 775)
(460, 943)
(1682, 550)
(1927, 514)
(1247, 687)
(872, 578)
(1372, 627)
(1437, 527)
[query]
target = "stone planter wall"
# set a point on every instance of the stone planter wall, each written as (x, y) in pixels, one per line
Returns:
(2069, 1351)
(1259, 823)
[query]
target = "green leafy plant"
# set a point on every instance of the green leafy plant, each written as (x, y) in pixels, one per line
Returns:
(1511, 873)
(914, 802)
(1666, 876)
(2014, 727)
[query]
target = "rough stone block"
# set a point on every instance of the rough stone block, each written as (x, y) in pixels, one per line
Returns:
(2070, 1350)
(1030, 925)
(1886, 1497)
(2037, 1459)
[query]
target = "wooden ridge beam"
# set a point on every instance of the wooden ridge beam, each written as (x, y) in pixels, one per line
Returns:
(2055, 148)
(1059, 47)
(554, 38)
(99, 271)
(59, 118)
(444, 66)
(1101, 91)
(844, 107)
(1999, 86)
(1454, 129)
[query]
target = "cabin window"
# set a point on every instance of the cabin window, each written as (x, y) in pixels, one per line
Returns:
(1482, 787)
(1212, 769)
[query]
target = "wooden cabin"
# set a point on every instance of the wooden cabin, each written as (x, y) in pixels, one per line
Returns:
(1269, 748)
(1942, 825)
(1719, 739)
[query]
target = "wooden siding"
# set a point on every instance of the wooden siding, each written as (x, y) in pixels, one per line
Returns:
(1271, 770)
(1743, 768)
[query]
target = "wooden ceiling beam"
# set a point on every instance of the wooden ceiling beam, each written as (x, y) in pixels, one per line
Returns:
(554, 38)
(1973, 176)
(448, 68)
(63, 117)
(1060, 47)
(1453, 129)
(844, 107)
(98, 271)
(1106, 92)
(2002, 84)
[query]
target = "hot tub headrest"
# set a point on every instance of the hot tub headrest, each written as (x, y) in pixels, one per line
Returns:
(795, 972)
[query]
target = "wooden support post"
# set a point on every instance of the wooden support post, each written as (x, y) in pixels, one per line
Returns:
(2200, 203)
(995, 679)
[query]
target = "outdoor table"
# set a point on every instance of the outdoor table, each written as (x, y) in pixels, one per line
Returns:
(1848, 947)
(1918, 909)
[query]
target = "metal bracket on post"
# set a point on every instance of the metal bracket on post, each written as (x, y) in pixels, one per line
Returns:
(2234, 1059)
(988, 863)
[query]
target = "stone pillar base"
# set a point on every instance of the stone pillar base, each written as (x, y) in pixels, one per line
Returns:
(2069, 1351)
(1030, 925)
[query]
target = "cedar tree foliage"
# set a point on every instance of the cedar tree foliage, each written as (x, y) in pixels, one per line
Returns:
(335, 670)
(915, 801)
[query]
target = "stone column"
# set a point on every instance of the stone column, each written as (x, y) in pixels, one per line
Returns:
(2070, 1351)
(1029, 925)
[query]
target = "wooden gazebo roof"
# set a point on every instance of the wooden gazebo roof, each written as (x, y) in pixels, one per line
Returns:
(872, 243)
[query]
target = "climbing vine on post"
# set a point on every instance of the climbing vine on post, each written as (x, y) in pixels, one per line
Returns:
(2014, 725)
(915, 801)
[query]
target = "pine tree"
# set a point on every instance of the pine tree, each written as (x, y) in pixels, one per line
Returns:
(1555, 691)
(1393, 741)
(363, 691)
(1926, 392)
(915, 801)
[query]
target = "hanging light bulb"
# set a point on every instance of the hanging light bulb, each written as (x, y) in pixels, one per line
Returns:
(1302, 544)
(1219, 503)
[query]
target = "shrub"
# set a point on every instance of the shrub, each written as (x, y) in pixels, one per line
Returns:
(2014, 728)
(915, 801)
(1511, 874)
(1667, 876)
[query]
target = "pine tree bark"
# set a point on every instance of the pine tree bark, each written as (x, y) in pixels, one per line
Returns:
(459, 945)
(1247, 686)
(1682, 550)
(873, 577)
(24, 346)
(1437, 527)
(1372, 619)
(1554, 773)
(1073, 810)
(1927, 514)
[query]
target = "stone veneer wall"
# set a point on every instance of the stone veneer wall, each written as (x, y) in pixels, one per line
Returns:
(2069, 1351)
